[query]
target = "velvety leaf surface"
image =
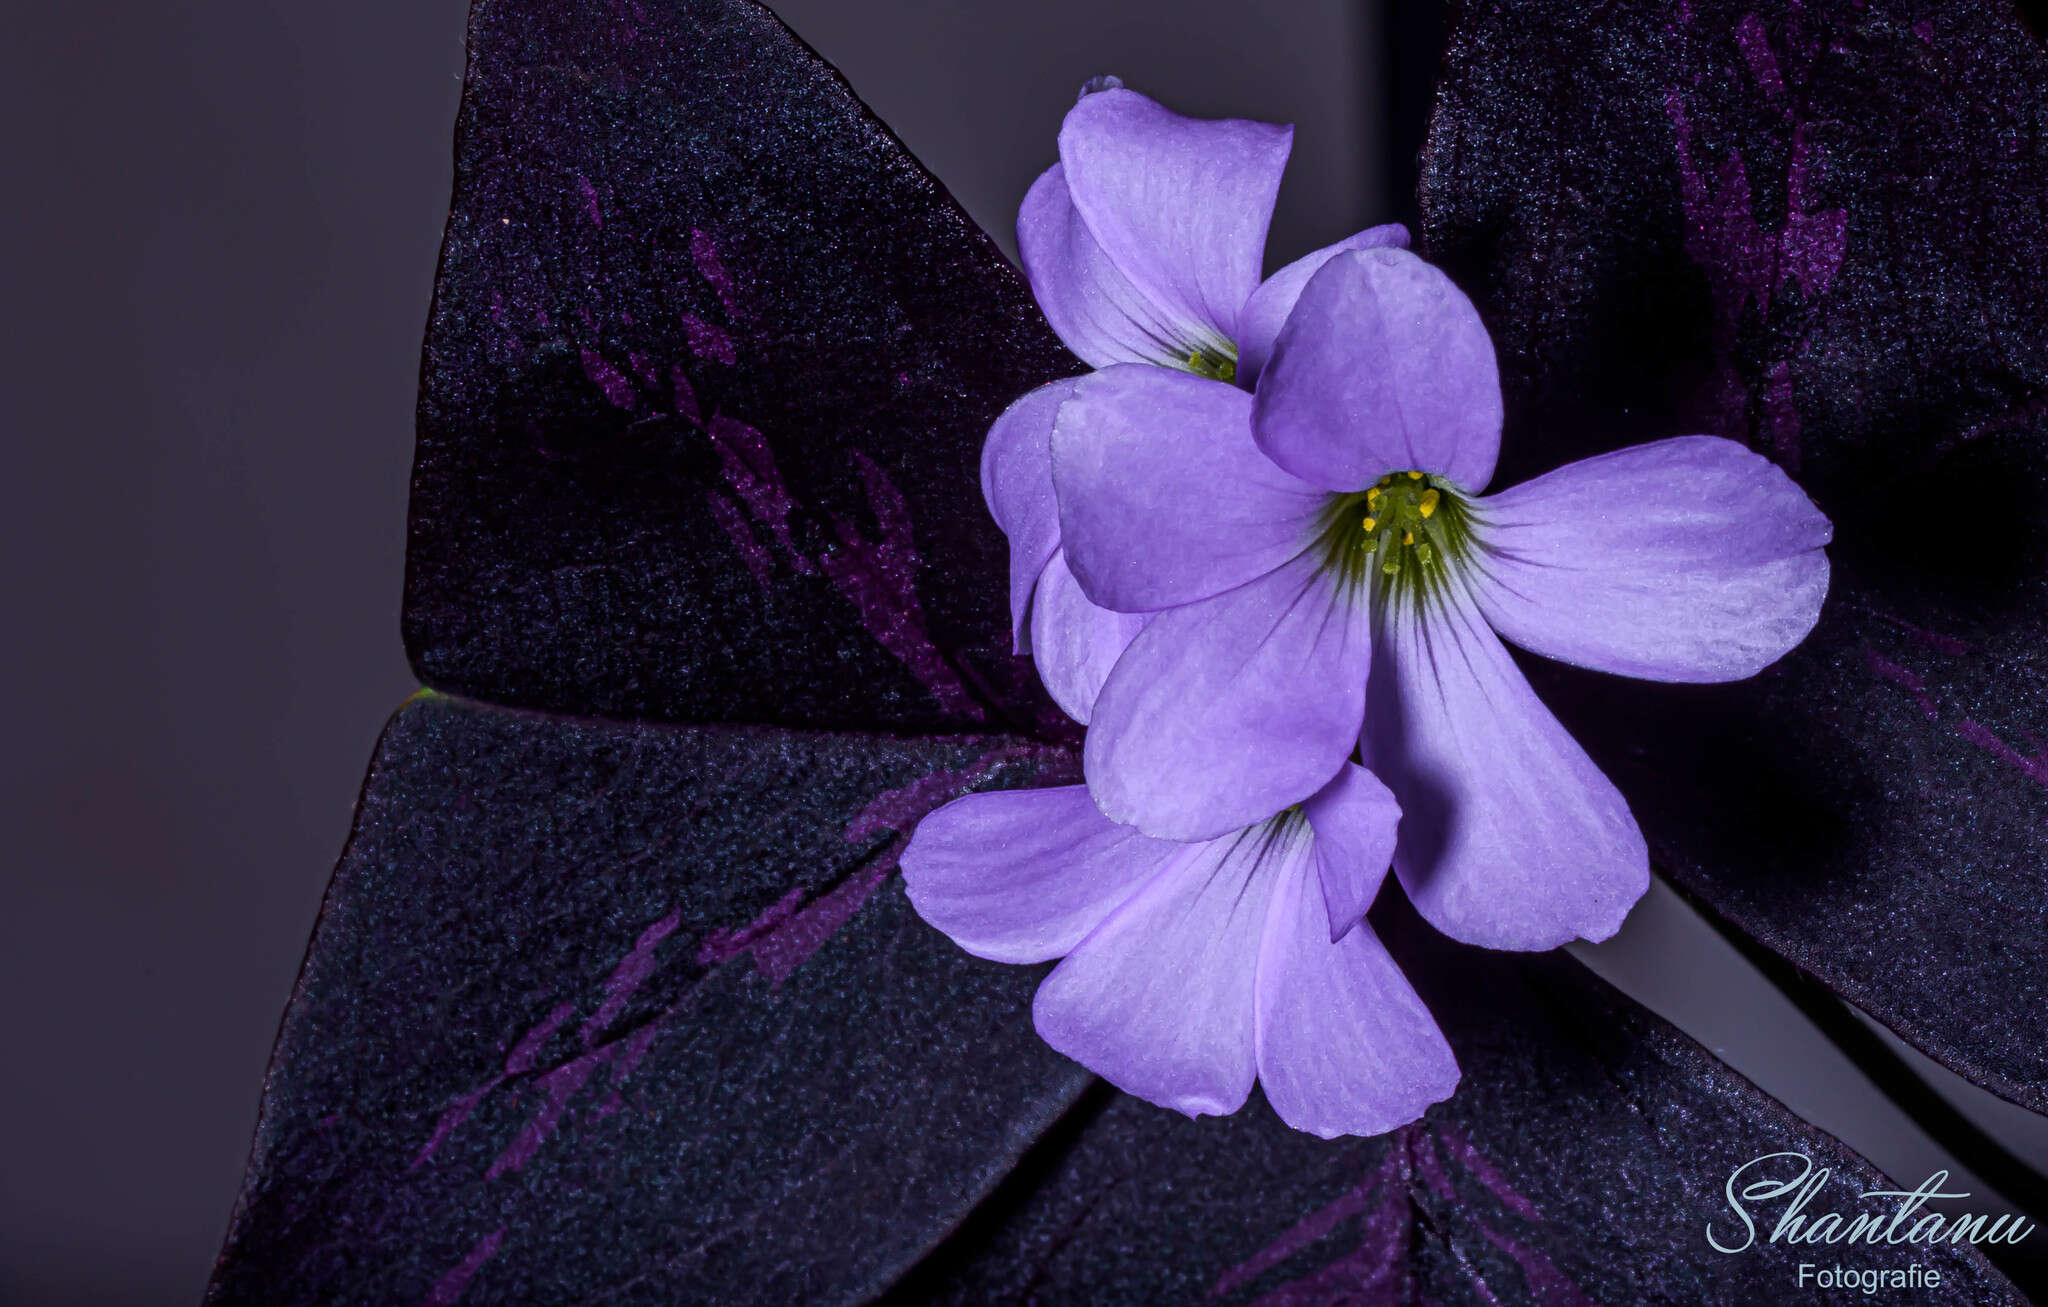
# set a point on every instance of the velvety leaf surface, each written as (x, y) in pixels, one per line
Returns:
(635, 1014)
(1582, 1161)
(1819, 227)
(707, 372)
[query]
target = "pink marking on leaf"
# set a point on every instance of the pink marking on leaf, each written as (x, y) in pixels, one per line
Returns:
(643, 367)
(1428, 1166)
(901, 809)
(1898, 675)
(450, 1287)
(2034, 769)
(1944, 644)
(708, 341)
(1721, 229)
(1924, 30)
(725, 945)
(750, 550)
(786, 936)
(1375, 1272)
(632, 972)
(626, 1056)
(1756, 49)
(527, 1051)
(1466, 1155)
(631, 1050)
(704, 253)
(1316, 1225)
(588, 194)
(781, 951)
(686, 396)
(557, 1088)
(1550, 1286)
(880, 577)
(451, 1117)
(1721, 237)
(748, 466)
(519, 1061)
(1811, 246)
(1746, 262)
(608, 379)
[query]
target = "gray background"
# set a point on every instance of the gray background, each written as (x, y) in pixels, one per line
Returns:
(223, 224)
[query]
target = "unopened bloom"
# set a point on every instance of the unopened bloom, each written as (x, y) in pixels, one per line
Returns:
(1190, 969)
(1142, 245)
(1316, 570)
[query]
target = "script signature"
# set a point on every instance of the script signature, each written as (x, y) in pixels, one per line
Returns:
(1896, 1216)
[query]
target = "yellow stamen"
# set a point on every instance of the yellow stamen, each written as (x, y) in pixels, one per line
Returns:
(1428, 505)
(1407, 537)
(1415, 476)
(1372, 494)
(1385, 482)
(1371, 522)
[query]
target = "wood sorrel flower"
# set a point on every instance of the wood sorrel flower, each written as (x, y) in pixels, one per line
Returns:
(1192, 968)
(1269, 540)
(1143, 244)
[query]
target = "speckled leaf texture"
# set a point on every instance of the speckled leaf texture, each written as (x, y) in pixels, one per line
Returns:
(616, 997)
(638, 1014)
(704, 343)
(1580, 1163)
(1819, 227)
(603, 1012)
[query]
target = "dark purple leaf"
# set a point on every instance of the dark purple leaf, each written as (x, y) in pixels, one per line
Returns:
(1820, 228)
(635, 1014)
(708, 367)
(1581, 1161)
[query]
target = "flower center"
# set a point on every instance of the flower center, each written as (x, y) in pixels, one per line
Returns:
(1402, 536)
(1213, 364)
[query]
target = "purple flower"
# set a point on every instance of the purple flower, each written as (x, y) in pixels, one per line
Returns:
(1142, 245)
(1191, 968)
(1267, 543)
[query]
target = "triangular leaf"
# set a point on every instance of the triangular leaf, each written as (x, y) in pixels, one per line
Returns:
(635, 1011)
(1819, 228)
(705, 380)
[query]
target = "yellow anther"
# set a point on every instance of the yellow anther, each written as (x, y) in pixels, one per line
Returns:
(1372, 494)
(1371, 522)
(1407, 537)
(1385, 482)
(1428, 505)
(1415, 476)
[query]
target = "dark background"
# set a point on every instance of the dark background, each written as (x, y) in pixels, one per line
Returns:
(221, 238)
